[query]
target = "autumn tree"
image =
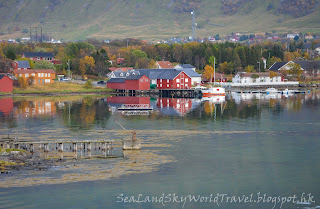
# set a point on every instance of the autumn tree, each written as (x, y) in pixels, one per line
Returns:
(254, 77)
(249, 69)
(295, 70)
(42, 64)
(152, 64)
(208, 72)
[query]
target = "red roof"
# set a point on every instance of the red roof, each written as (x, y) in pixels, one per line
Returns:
(164, 64)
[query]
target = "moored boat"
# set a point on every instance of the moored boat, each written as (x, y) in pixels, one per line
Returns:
(213, 91)
(271, 90)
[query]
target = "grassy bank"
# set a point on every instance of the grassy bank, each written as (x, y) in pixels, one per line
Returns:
(59, 87)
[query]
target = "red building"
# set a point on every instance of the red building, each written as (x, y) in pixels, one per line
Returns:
(116, 83)
(37, 56)
(21, 65)
(135, 82)
(173, 79)
(6, 84)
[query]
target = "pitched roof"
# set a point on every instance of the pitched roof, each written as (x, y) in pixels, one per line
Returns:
(120, 74)
(23, 64)
(190, 72)
(185, 66)
(1, 76)
(277, 66)
(116, 80)
(169, 74)
(38, 54)
(134, 77)
(309, 65)
(267, 74)
(164, 64)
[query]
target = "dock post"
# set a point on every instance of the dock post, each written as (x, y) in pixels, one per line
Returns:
(74, 146)
(17, 146)
(60, 147)
(89, 146)
(31, 148)
(104, 146)
(46, 147)
(108, 146)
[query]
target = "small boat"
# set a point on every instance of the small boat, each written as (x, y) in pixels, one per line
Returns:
(287, 91)
(213, 91)
(271, 91)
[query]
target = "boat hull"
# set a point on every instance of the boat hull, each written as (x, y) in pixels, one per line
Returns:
(216, 91)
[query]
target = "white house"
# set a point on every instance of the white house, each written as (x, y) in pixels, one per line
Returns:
(258, 79)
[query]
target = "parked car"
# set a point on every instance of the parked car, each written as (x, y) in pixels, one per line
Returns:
(101, 82)
(65, 79)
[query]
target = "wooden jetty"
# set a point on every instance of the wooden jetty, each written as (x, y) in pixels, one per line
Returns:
(175, 93)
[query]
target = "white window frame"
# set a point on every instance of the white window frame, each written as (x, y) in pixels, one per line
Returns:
(178, 80)
(186, 80)
(26, 75)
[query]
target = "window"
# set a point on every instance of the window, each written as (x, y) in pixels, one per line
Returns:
(39, 74)
(186, 80)
(133, 73)
(141, 79)
(121, 74)
(27, 75)
(178, 80)
(178, 85)
(167, 80)
(38, 58)
(167, 85)
(33, 74)
(48, 74)
(47, 81)
(127, 74)
(45, 75)
(146, 79)
(160, 85)
(19, 75)
(42, 74)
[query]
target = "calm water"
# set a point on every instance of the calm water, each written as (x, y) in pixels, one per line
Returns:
(250, 145)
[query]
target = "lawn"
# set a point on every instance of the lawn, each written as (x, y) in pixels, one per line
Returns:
(58, 87)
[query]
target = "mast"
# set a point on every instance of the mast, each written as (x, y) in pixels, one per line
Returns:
(214, 71)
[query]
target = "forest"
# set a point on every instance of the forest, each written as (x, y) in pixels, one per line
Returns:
(93, 57)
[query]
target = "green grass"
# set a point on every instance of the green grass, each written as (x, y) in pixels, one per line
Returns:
(151, 20)
(58, 87)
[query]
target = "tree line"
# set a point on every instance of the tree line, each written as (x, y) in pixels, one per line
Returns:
(94, 57)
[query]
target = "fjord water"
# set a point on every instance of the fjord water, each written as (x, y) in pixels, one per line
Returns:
(240, 145)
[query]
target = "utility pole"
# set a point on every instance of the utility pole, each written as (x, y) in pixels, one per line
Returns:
(36, 34)
(259, 66)
(30, 35)
(193, 26)
(69, 67)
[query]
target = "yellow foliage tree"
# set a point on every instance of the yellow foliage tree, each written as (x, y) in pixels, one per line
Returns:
(82, 67)
(152, 64)
(208, 72)
(273, 74)
(249, 69)
(288, 56)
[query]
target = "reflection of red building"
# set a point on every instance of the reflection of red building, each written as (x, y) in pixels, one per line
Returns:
(181, 105)
(129, 100)
(6, 105)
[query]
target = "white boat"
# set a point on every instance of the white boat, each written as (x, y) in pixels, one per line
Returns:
(287, 91)
(271, 90)
(214, 99)
(213, 91)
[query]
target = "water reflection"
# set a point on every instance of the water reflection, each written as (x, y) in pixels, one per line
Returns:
(89, 112)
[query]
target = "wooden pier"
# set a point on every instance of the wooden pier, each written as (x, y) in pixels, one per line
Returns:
(171, 93)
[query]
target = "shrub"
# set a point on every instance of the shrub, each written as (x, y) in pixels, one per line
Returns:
(88, 85)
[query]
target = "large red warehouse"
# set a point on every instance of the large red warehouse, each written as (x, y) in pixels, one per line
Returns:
(6, 84)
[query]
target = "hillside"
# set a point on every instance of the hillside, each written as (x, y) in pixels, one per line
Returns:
(154, 19)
